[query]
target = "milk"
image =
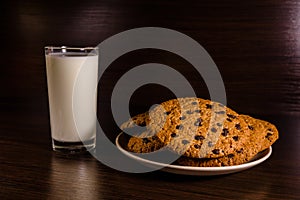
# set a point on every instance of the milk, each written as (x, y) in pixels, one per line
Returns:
(72, 81)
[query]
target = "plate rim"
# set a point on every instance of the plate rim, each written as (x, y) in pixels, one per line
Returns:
(232, 168)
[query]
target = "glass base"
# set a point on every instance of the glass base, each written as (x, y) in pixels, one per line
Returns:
(73, 147)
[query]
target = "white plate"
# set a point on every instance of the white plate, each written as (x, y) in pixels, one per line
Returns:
(188, 170)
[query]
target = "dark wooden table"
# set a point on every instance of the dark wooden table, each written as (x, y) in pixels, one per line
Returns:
(255, 44)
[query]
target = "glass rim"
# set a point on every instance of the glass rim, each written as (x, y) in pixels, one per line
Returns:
(70, 48)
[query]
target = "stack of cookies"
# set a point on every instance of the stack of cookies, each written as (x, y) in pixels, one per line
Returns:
(203, 133)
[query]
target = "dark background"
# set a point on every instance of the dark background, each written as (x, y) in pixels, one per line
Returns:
(255, 44)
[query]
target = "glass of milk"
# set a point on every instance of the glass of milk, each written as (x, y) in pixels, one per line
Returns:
(72, 90)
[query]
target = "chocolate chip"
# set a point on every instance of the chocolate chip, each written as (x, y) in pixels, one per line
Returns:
(185, 142)
(197, 123)
(231, 116)
(182, 118)
(194, 103)
(228, 119)
(167, 113)
(240, 151)
(250, 127)
(199, 137)
(146, 140)
(179, 127)
(197, 111)
(189, 112)
(142, 124)
(221, 112)
(219, 124)
(230, 155)
(238, 126)
(268, 135)
(213, 130)
(208, 106)
(216, 151)
(173, 135)
(210, 144)
(235, 138)
(197, 146)
(269, 129)
(225, 132)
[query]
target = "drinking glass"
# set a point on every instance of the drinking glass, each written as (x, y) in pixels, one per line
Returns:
(72, 82)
